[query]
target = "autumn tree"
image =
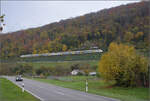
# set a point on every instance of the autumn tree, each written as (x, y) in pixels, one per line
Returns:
(64, 48)
(128, 36)
(50, 47)
(44, 35)
(122, 64)
(34, 51)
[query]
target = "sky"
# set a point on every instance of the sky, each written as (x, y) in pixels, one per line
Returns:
(21, 15)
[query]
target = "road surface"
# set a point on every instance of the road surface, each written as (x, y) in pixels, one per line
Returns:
(48, 92)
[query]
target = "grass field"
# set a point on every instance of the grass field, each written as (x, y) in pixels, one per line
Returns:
(10, 92)
(62, 63)
(99, 87)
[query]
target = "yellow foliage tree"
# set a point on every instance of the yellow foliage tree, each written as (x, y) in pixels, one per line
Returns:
(64, 48)
(139, 34)
(44, 51)
(128, 36)
(122, 64)
(50, 48)
(34, 51)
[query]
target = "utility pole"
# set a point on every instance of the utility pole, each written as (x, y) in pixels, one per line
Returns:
(22, 87)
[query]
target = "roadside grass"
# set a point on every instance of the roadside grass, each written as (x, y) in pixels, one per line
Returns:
(10, 92)
(73, 78)
(99, 87)
(66, 64)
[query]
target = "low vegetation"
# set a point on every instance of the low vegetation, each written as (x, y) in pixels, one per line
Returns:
(10, 92)
(47, 68)
(62, 63)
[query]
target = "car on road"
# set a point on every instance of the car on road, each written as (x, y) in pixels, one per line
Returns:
(19, 78)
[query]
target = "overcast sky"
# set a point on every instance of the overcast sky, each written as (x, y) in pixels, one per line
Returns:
(29, 14)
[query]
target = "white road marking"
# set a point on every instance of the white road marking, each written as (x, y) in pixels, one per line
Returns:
(60, 93)
(35, 95)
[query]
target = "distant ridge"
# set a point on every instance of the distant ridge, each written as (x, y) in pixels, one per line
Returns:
(127, 24)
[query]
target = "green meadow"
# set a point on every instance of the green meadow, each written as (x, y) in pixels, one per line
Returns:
(11, 92)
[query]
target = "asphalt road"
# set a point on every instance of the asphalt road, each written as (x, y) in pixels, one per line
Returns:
(48, 92)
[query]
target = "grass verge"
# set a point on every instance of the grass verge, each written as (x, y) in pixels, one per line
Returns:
(99, 87)
(10, 92)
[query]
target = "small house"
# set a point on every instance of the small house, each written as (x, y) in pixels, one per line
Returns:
(75, 72)
(92, 73)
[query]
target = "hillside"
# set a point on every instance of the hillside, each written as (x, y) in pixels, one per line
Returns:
(123, 24)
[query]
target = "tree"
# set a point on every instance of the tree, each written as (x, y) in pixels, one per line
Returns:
(122, 64)
(34, 51)
(50, 47)
(64, 48)
(128, 36)
(23, 69)
(74, 66)
(44, 35)
(1, 22)
(45, 71)
(139, 34)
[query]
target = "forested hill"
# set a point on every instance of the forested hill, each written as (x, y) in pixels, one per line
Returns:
(126, 24)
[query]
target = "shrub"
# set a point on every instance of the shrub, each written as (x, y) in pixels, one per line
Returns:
(7, 68)
(55, 71)
(75, 66)
(45, 71)
(23, 69)
(61, 71)
(122, 64)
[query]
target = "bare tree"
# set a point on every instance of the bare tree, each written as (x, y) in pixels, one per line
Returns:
(2, 22)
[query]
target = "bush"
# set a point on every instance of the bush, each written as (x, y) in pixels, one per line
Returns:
(54, 71)
(7, 68)
(23, 69)
(122, 64)
(86, 69)
(81, 73)
(61, 71)
(15, 68)
(75, 66)
(45, 71)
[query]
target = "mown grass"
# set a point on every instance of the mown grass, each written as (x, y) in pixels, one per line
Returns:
(10, 92)
(66, 64)
(100, 87)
